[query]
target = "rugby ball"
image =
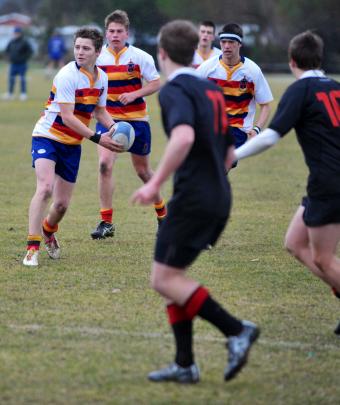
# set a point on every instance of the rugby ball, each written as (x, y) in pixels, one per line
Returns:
(124, 134)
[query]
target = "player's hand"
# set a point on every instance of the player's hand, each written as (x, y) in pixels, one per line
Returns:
(251, 133)
(146, 194)
(107, 142)
(127, 98)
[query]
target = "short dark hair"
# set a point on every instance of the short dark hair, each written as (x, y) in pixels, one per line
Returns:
(306, 49)
(91, 33)
(179, 39)
(232, 28)
(208, 23)
(118, 16)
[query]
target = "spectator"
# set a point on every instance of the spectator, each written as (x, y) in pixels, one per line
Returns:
(18, 52)
(56, 52)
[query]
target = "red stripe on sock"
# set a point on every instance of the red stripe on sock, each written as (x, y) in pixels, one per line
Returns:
(107, 215)
(176, 314)
(161, 212)
(195, 302)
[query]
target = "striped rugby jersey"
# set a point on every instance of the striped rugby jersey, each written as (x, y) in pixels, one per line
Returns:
(199, 59)
(243, 86)
(126, 70)
(71, 85)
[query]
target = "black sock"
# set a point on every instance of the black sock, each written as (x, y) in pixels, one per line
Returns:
(183, 337)
(212, 312)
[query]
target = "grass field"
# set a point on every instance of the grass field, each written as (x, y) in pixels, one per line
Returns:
(87, 329)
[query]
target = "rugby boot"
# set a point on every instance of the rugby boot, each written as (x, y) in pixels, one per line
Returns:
(176, 373)
(103, 230)
(31, 258)
(52, 246)
(239, 347)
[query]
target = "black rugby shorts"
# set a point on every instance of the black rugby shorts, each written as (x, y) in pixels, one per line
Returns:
(182, 238)
(320, 212)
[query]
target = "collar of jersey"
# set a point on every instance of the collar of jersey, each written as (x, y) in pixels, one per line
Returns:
(312, 73)
(88, 74)
(231, 70)
(183, 71)
(205, 57)
(118, 54)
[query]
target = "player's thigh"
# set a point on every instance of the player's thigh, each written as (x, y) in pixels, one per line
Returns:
(45, 172)
(164, 271)
(106, 156)
(140, 162)
(324, 239)
(297, 233)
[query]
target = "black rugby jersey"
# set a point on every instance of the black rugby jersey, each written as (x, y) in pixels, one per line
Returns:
(200, 183)
(311, 106)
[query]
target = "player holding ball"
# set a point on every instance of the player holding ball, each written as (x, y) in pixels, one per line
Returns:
(79, 89)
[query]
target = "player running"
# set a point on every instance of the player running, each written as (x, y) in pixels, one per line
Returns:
(79, 89)
(311, 106)
(198, 150)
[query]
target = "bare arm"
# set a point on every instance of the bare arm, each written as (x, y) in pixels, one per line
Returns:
(146, 90)
(177, 149)
(103, 117)
(71, 121)
(265, 110)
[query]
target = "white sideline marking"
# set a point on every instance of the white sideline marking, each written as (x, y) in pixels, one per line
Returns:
(96, 331)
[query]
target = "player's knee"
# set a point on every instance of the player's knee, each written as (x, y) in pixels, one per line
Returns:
(105, 168)
(291, 248)
(158, 282)
(46, 191)
(322, 262)
(60, 207)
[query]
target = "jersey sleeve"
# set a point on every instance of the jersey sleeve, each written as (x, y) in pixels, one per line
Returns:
(103, 95)
(203, 70)
(148, 68)
(263, 93)
(66, 86)
(176, 107)
(289, 110)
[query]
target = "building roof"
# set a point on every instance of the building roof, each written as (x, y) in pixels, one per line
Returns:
(15, 19)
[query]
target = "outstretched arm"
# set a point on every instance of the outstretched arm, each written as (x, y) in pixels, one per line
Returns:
(258, 144)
